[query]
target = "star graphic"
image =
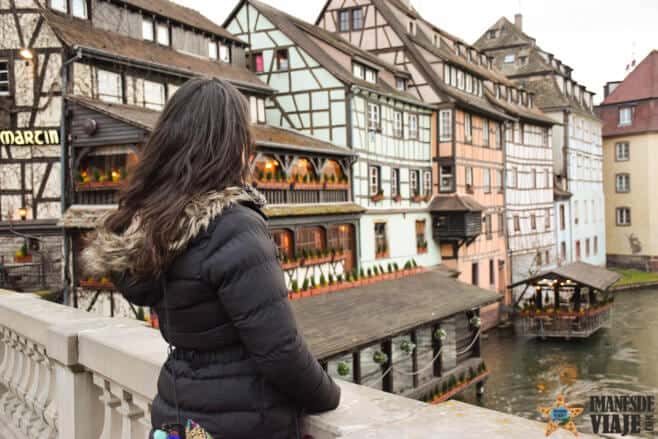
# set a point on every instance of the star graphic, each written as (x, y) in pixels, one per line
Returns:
(560, 415)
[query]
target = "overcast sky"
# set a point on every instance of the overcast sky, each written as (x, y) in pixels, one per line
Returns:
(597, 38)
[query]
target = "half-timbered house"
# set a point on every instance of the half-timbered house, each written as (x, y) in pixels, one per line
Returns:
(333, 90)
(576, 141)
(468, 131)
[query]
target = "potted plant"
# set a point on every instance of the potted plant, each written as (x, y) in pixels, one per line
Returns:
(295, 290)
(306, 288)
(416, 198)
(379, 196)
(343, 368)
(22, 255)
(379, 357)
(427, 197)
(397, 198)
(407, 347)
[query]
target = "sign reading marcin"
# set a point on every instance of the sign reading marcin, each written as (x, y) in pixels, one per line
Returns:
(29, 137)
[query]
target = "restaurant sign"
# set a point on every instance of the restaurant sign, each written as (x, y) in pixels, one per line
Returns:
(29, 137)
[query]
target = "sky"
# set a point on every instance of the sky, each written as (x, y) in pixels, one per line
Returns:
(597, 38)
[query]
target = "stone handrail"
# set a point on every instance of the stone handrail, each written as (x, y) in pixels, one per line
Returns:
(66, 373)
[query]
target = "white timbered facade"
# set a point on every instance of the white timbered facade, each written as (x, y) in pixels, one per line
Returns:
(334, 91)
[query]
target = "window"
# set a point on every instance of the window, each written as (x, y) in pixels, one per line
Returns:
(381, 242)
(492, 34)
(371, 76)
(147, 29)
(501, 224)
(412, 28)
(587, 248)
(359, 70)
(469, 179)
(162, 33)
(538, 260)
(547, 219)
(576, 212)
(445, 178)
(513, 177)
(310, 238)
(488, 226)
(357, 19)
(623, 216)
(59, 5)
(79, 8)
(468, 128)
(626, 116)
(344, 20)
(213, 52)
(395, 182)
(397, 124)
(623, 183)
(578, 250)
(283, 240)
(109, 86)
(257, 62)
(563, 220)
(563, 251)
(421, 241)
(4, 77)
(282, 59)
(517, 223)
(596, 245)
(533, 221)
(427, 183)
(154, 95)
(499, 136)
(499, 181)
(622, 151)
(533, 176)
(492, 272)
(436, 40)
(401, 83)
(487, 181)
(373, 117)
(413, 126)
(257, 109)
(445, 125)
(414, 181)
(460, 79)
(224, 53)
(485, 133)
(374, 181)
(475, 271)
(509, 58)
(523, 60)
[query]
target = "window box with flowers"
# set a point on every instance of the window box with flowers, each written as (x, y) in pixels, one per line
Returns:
(288, 263)
(102, 283)
(379, 196)
(22, 255)
(427, 197)
(317, 257)
(331, 183)
(421, 247)
(271, 180)
(97, 179)
(397, 198)
(307, 183)
(416, 197)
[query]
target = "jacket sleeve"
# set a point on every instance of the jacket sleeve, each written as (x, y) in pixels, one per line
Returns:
(251, 287)
(138, 292)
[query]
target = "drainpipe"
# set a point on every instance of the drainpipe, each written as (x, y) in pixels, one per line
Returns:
(63, 164)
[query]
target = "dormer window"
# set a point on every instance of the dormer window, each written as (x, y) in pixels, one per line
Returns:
(224, 53)
(492, 34)
(77, 8)
(59, 5)
(436, 40)
(412, 28)
(523, 60)
(357, 19)
(162, 33)
(147, 29)
(282, 59)
(213, 51)
(530, 103)
(401, 84)
(626, 116)
(509, 59)
(350, 19)
(365, 73)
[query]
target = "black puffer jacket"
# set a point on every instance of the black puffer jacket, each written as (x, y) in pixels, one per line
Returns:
(242, 369)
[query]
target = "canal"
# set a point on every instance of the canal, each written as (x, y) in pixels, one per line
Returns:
(528, 373)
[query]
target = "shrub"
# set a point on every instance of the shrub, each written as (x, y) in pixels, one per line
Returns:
(413, 263)
(361, 274)
(396, 267)
(471, 373)
(375, 271)
(339, 278)
(312, 281)
(369, 272)
(462, 377)
(295, 287)
(331, 279)
(305, 285)
(323, 280)
(343, 368)
(390, 268)
(444, 387)
(407, 265)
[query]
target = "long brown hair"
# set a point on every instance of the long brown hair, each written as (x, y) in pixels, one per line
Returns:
(201, 143)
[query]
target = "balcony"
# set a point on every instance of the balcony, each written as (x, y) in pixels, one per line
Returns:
(66, 373)
(456, 217)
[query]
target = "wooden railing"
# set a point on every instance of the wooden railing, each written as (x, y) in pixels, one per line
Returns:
(563, 324)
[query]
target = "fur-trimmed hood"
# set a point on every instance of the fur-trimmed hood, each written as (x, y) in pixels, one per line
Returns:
(110, 252)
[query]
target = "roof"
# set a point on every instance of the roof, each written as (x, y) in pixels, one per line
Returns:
(78, 33)
(580, 272)
(641, 83)
(334, 323)
(510, 35)
(455, 203)
(304, 35)
(182, 14)
(278, 211)
(529, 114)
(264, 135)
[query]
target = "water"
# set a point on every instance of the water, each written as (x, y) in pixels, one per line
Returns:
(528, 373)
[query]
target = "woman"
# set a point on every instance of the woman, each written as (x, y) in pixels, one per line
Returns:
(190, 240)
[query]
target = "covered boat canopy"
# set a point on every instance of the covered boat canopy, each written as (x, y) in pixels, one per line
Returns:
(582, 273)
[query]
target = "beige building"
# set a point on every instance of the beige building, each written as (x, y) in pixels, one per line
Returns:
(630, 144)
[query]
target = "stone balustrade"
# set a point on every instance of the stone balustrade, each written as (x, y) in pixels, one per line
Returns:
(66, 373)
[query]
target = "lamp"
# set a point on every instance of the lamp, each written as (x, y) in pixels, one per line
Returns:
(26, 54)
(22, 212)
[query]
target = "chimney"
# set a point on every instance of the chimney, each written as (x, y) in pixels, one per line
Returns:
(518, 21)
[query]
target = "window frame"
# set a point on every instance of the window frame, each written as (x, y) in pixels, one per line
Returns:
(374, 180)
(400, 83)
(468, 128)
(65, 10)
(6, 82)
(414, 134)
(533, 221)
(353, 19)
(445, 116)
(158, 26)
(381, 239)
(547, 219)
(339, 20)
(279, 55)
(631, 113)
(427, 183)
(486, 177)
(414, 183)
(378, 120)
(627, 215)
(148, 22)
(153, 105)
(255, 56)
(625, 177)
(227, 58)
(395, 182)
(622, 157)
(83, 3)
(516, 220)
(442, 176)
(104, 96)
(398, 124)
(469, 179)
(213, 50)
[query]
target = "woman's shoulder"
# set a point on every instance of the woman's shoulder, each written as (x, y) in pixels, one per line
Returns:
(236, 220)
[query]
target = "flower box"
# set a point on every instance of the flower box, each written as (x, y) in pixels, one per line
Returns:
(94, 185)
(377, 197)
(294, 296)
(397, 198)
(336, 186)
(421, 250)
(22, 259)
(416, 199)
(105, 284)
(277, 185)
(381, 255)
(338, 257)
(305, 293)
(307, 186)
(289, 265)
(316, 260)
(426, 198)
(459, 388)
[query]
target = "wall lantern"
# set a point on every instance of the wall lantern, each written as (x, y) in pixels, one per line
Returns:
(22, 213)
(26, 54)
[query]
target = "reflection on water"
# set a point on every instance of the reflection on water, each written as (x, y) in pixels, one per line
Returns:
(528, 373)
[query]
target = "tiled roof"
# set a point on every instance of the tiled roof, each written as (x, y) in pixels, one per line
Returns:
(264, 135)
(531, 114)
(80, 33)
(303, 33)
(507, 35)
(547, 93)
(455, 203)
(334, 323)
(182, 14)
(580, 272)
(641, 83)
